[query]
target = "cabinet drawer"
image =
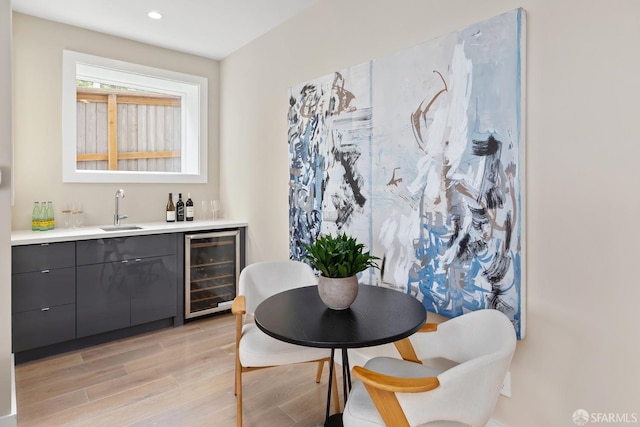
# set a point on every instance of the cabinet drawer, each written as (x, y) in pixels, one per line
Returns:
(37, 290)
(125, 248)
(43, 257)
(37, 328)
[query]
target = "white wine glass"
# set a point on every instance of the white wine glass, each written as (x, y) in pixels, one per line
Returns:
(206, 206)
(215, 208)
(66, 214)
(77, 212)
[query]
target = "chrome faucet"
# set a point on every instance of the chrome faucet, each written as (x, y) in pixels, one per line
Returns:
(117, 217)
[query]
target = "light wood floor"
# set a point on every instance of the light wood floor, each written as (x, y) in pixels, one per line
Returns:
(173, 377)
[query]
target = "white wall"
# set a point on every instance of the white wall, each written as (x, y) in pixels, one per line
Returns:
(583, 84)
(6, 362)
(38, 46)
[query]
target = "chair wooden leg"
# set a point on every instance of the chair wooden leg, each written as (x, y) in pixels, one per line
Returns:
(319, 372)
(238, 392)
(334, 386)
(235, 383)
(239, 405)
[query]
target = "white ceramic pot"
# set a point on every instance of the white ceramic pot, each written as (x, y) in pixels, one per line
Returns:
(338, 293)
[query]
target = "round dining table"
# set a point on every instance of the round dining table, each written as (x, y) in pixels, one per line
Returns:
(378, 315)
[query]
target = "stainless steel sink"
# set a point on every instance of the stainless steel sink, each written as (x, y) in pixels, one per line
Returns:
(120, 228)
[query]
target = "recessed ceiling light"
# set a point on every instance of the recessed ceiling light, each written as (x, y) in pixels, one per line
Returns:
(154, 14)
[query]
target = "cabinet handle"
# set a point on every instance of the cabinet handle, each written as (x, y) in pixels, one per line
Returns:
(44, 244)
(126, 261)
(44, 271)
(45, 309)
(138, 259)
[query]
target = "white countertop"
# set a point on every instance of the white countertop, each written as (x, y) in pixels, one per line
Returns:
(28, 237)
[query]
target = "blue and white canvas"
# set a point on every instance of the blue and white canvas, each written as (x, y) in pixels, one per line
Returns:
(330, 159)
(420, 155)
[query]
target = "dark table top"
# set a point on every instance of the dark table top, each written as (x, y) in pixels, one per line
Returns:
(377, 316)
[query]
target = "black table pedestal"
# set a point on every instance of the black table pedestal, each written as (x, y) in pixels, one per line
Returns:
(346, 386)
(334, 420)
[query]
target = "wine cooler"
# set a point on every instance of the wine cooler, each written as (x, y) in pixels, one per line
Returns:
(212, 266)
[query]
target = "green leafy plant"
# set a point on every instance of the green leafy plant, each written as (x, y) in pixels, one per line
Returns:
(340, 256)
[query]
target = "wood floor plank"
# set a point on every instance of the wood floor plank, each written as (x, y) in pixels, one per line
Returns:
(187, 405)
(212, 337)
(50, 406)
(125, 357)
(143, 340)
(67, 381)
(204, 368)
(51, 373)
(100, 412)
(175, 362)
(142, 409)
(107, 388)
(40, 368)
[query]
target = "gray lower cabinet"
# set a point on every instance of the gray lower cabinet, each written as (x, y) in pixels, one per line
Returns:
(124, 282)
(43, 296)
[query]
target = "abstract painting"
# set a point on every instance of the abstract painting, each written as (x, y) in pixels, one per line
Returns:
(419, 155)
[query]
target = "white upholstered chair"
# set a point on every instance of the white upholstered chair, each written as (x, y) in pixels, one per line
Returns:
(255, 349)
(407, 392)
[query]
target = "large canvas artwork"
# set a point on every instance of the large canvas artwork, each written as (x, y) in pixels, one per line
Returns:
(420, 156)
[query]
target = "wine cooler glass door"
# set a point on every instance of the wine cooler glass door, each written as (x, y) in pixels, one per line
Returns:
(212, 265)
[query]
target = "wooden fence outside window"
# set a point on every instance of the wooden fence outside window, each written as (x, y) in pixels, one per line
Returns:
(128, 131)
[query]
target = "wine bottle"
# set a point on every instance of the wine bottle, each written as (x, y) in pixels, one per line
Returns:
(189, 208)
(171, 209)
(180, 208)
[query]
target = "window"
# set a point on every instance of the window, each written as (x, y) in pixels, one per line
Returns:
(125, 122)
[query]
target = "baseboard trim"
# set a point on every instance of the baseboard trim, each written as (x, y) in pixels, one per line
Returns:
(11, 420)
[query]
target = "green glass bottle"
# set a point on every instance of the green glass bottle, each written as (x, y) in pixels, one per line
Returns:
(35, 217)
(51, 220)
(43, 221)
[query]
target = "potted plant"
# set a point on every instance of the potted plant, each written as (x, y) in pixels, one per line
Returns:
(339, 259)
